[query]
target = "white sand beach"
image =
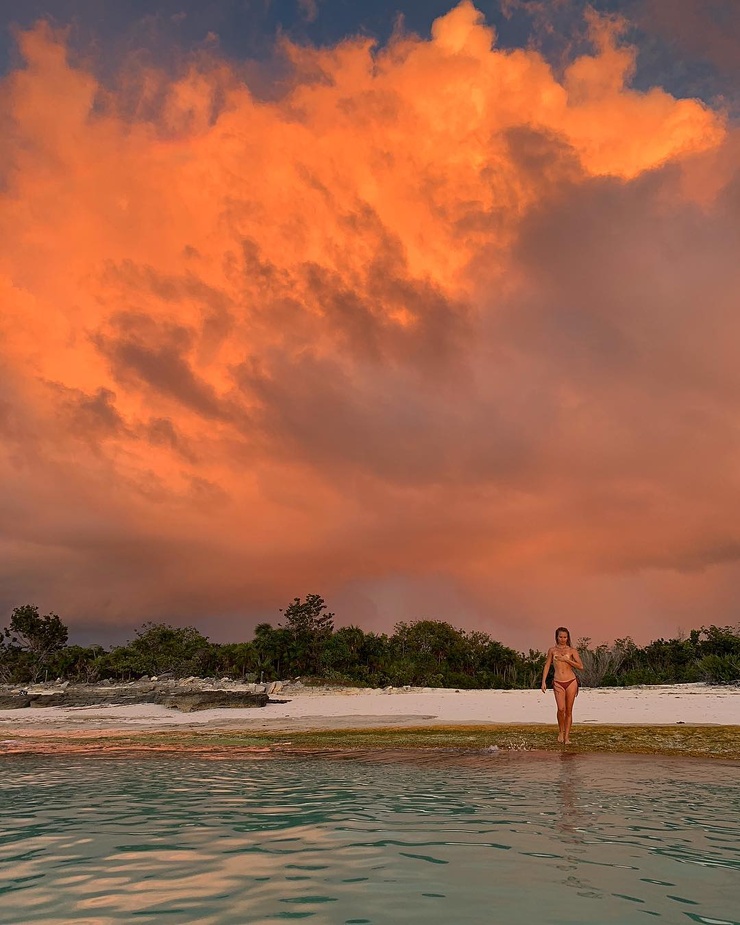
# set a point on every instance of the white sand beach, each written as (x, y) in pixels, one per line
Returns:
(307, 709)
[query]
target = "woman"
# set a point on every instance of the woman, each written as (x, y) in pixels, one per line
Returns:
(565, 683)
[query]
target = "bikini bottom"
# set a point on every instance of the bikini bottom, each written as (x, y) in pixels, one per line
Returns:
(564, 685)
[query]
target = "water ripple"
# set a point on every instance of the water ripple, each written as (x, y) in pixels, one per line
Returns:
(183, 840)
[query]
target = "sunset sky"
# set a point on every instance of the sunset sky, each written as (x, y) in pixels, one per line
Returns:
(431, 309)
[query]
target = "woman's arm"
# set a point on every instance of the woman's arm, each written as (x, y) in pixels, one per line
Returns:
(546, 669)
(575, 659)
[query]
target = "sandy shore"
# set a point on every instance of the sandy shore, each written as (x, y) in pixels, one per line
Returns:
(692, 704)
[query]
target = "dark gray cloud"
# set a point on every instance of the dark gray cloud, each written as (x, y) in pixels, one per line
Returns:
(157, 355)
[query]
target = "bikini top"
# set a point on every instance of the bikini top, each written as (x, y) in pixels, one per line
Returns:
(573, 674)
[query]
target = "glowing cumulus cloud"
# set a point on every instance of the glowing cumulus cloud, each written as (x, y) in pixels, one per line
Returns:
(430, 315)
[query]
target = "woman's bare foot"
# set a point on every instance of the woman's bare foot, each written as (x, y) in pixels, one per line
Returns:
(566, 742)
(560, 737)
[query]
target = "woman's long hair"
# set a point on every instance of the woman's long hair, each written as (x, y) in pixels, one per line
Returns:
(563, 629)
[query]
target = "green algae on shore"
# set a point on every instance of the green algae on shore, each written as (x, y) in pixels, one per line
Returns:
(679, 740)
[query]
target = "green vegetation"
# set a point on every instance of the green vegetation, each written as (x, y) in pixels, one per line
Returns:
(430, 653)
(32, 640)
(710, 654)
(685, 741)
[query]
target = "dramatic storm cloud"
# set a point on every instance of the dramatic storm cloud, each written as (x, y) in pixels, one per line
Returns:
(430, 329)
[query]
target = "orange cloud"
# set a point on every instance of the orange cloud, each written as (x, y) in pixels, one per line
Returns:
(430, 313)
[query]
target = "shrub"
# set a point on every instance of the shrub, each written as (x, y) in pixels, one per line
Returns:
(720, 669)
(600, 663)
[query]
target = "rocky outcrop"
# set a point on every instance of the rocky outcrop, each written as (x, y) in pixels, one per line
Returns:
(14, 701)
(84, 695)
(52, 699)
(211, 700)
(189, 695)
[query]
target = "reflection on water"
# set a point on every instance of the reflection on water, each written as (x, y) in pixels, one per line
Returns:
(371, 838)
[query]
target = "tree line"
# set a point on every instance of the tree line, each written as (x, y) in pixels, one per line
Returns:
(305, 643)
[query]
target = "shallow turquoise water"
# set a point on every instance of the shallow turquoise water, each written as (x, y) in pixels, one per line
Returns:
(447, 839)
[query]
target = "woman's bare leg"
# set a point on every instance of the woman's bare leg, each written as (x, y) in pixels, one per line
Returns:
(570, 696)
(561, 702)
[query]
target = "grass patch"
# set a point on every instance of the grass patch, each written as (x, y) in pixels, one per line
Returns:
(684, 740)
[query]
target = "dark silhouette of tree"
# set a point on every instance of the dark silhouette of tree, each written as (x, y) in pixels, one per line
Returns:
(341, 658)
(237, 660)
(420, 652)
(275, 652)
(35, 637)
(159, 648)
(310, 629)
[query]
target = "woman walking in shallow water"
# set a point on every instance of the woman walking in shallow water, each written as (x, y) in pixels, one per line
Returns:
(564, 658)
